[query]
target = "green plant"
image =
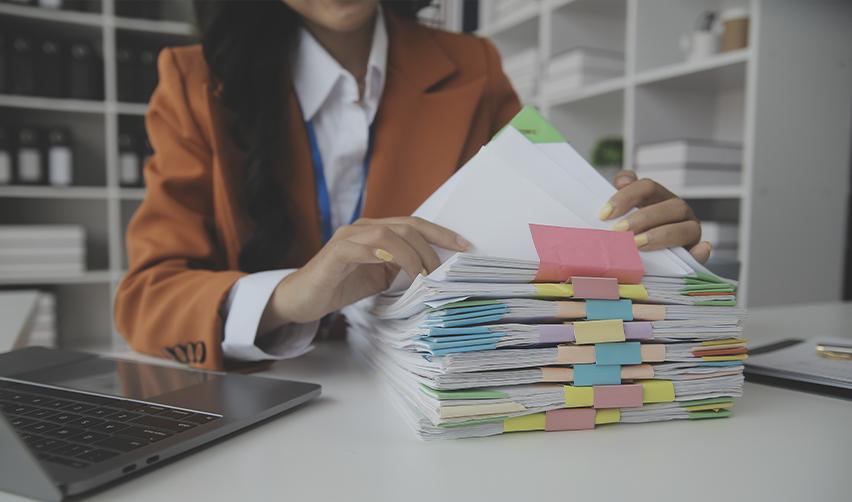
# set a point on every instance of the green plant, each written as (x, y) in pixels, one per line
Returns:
(608, 152)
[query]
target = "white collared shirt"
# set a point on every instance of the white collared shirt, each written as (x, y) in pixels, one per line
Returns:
(329, 98)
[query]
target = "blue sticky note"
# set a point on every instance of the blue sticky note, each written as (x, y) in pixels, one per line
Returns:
(475, 330)
(601, 310)
(470, 348)
(618, 353)
(596, 374)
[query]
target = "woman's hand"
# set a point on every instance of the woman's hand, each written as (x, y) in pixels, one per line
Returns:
(360, 260)
(664, 220)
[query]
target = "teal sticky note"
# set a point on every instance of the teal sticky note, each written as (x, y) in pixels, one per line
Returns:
(618, 353)
(596, 374)
(600, 310)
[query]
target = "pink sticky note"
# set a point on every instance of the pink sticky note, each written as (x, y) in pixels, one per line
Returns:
(573, 419)
(564, 252)
(595, 288)
(618, 396)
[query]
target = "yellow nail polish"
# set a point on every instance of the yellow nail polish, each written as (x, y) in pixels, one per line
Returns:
(383, 255)
(424, 272)
(641, 240)
(605, 211)
(621, 226)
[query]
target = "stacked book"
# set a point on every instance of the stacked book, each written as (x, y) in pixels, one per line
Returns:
(43, 328)
(522, 69)
(689, 162)
(580, 67)
(550, 321)
(38, 250)
(496, 11)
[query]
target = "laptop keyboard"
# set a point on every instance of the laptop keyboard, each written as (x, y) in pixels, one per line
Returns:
(76, 430)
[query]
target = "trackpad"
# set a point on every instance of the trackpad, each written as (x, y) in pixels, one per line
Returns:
(118, 378)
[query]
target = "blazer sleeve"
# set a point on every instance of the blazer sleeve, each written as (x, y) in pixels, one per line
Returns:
(168, 304)
(501, 93)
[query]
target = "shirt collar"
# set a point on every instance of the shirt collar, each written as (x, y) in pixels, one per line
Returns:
(315, 72)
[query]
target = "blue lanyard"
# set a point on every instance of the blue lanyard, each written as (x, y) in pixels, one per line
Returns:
(322, 188)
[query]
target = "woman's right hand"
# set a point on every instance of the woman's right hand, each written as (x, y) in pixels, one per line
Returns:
(360, 260)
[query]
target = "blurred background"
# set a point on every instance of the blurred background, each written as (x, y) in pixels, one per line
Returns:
(742, 107)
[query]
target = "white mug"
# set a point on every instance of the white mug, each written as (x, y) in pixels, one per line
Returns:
(699, 44)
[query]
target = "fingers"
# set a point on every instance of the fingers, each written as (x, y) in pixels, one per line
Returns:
(427, 255)
(684, 233)
(398, 250)
(624, 178)
(655, 215)
(432, 233)
(701, 251)
(640, 193)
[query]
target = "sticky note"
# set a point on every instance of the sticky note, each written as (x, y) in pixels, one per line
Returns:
(609, 309)
(595, 288)
(574, 419)
(618, 396)
(609, 416)
(586, 332)
(596, 374)
(649, 312)
(534, 422)
(464, 394)
(658, 391)
(536, 128)
(550, 290)
(698, 415)
(575, 354)
(637, 372)
(566, 252)
(552, 374)
(579, 396)
(555, 333)
(653, 352)
(570, 310)
(633, 291)
(710, 407)
(638, 330)
(618, 353)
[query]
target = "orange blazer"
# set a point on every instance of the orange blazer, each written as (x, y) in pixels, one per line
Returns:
(445, 96)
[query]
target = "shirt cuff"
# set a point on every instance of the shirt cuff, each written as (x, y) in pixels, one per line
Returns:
(244, 307)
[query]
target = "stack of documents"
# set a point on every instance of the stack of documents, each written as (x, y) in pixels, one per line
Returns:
(550, 321)
(522, 70)
(580, 67)
(29, 250)
(687, 162)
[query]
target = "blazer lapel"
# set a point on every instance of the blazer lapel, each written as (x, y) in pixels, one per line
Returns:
(420, 129)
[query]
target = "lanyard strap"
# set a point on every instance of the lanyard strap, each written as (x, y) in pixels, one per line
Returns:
(323, 198)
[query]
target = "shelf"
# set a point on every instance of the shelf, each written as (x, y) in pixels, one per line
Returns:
(694, 74)
(90, 277)
(132, 193)
(51, 104)
(589, 91)
(709, 192)
(131, 108)
(52, 192)
(528, 13)
(54, 15)
(154, 26)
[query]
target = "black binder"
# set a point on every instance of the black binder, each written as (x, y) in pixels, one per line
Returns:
(147, 73)
(51, 69)
(4, 64)
(22, 66)
(127, 80)
(85, 78)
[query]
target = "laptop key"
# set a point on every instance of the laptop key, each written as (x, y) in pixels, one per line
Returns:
(97, 455)
(64, 432)
(40, 427)
(176, 414)
(64, 417)
(58, 403)
(86, 422)
(162, 423)
(101, 412)
(71, 450)
(48, 444)
(109, 427)
(68, 462)
(200, 418)
(42, 413)
(79, 407)
(88, 437)
(120, 443)
(21, 422)
(123, 416)
(17, 409)
(146, 433)
(151, 409)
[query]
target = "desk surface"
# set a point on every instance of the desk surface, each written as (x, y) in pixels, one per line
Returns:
(351, 444)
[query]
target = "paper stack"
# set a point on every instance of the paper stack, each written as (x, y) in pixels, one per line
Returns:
(522, 70)
(687, 162)
(31, 250)
(580, 67)
(551, 321)
(43, 329)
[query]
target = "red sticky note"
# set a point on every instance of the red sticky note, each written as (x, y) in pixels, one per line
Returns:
(571, 419)
(564, 252)
(618, 396)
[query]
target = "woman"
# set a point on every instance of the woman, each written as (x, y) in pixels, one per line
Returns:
(251, 230)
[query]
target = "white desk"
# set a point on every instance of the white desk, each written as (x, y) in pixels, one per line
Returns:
(351, 444)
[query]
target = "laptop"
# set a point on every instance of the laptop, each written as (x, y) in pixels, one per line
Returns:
(73, 421)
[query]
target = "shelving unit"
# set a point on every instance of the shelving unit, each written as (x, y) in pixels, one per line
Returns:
(785, 98)
(96, 200)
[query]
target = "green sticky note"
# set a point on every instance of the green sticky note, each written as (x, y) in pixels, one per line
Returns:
(698, 415)
(463, 394)
(536, 128)
(712, 400)
(717, 303)
(707, 288)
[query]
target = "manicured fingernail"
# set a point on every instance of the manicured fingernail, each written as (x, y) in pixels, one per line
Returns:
(623, 179)
(621, 226)
(641, 240)
(424, 272)
(463, 243)
(383, 255)
(605, 211)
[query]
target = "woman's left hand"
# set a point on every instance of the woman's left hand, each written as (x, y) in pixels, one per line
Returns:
(664, 220)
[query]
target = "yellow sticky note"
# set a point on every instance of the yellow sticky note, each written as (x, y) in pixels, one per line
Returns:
(609, 416)
(657, 391)
(727, 341)
(711, 407)
(633, 291)
(610, 330)
(576, 397)
(534, 422)
(738, 357)
(554, 290)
